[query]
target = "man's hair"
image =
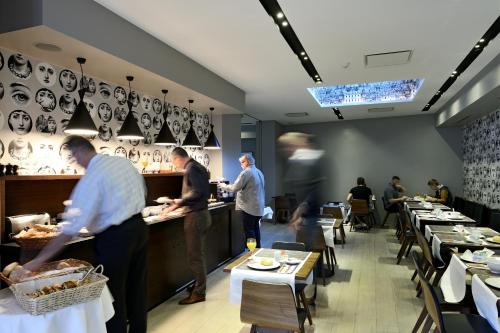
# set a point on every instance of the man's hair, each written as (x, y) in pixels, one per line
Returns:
(249, 158)
(178, 151)
(395, 177)
(360, 181)
(433, 182)
(78, 142)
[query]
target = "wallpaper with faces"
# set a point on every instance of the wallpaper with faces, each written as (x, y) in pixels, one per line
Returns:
(482, 160)
(37, 100)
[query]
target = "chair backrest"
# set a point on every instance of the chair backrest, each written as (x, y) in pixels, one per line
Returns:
(269, 305)
(312, 236)
(468, 209)
(426, 249)
(282, 202)
(458, 204)
(335, 212)
(494, 220)
(359, 207)
(430, 298)
(295, 246)
(477, 213)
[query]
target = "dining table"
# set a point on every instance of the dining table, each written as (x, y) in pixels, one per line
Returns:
(410, 206)
(451, 229)
(445, 243)
(422, 218)
(298, 268)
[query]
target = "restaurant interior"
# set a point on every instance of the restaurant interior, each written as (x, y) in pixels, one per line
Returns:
(373, 128)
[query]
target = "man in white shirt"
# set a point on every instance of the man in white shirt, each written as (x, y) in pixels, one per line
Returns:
(108, 201)
(250, 196)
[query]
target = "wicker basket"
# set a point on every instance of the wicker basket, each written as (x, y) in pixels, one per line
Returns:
(58, 299)
(32, 243)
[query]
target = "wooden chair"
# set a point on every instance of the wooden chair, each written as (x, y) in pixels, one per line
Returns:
(270, 305)
(336, 213)
(314, 239)
(462, 306)
(283, 208)
(299, 286)
(447, 322)
(360, 212)
(388, 213)
(408, 236)
(429, 268)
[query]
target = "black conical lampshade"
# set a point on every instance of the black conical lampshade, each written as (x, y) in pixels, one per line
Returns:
(165, 137)
(191, 140)
(212, 142)
(81, 123)
(130, 129)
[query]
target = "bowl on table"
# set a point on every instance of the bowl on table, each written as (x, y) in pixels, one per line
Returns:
(494, 265)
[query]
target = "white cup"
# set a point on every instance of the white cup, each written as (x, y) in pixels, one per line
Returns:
(459, 228)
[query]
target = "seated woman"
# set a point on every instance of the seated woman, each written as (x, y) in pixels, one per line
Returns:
(360, 192)
(441, 193)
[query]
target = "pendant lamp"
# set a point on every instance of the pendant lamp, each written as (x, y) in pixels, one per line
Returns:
(191, 140)
(130, 129)
(165, 137)
(212, 142)
(81, 122)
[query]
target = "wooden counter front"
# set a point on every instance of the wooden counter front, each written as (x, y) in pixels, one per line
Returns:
(168, 270)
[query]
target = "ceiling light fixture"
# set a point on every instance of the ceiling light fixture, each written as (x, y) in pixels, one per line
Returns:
(212, 142)
(280, 15)
(130, 129)
(302, 53)
(81, 122)
(191, 140)
(165, 137)
(284, 23)
(481, 40)
(305, 58)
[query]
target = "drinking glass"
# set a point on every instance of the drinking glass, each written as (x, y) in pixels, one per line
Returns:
(145, 164)
(251, 244)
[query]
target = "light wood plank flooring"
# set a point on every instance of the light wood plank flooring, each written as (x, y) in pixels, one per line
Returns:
(369, 293)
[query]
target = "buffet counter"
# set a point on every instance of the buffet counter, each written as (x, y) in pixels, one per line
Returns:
(168, 270)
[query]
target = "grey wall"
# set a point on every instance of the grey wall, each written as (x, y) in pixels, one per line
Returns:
(410, 147)
(231, 149)
(270, 159)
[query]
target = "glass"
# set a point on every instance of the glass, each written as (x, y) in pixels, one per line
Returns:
(251, 244)
(145, 164)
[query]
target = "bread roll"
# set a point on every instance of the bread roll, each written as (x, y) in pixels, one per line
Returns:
(9, 268)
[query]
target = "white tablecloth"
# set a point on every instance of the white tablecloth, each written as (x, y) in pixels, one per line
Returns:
(238, 275)
(436, 248)
(486, 302)
(453, 281)
(89, 317)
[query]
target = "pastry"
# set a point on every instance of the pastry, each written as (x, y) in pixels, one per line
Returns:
(9, 268)
(266, 262)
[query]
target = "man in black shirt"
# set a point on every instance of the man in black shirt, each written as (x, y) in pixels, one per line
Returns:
(360, 192)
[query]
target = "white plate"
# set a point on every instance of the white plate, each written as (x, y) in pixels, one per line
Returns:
(471, 259)
(256, 265)
(494, 282)
(490, 239)
(474, 241)
(293, 261)
(163, 200)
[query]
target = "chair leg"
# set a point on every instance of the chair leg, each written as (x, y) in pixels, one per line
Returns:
(306, 306)
(427, 325)
(332, 254)
(414, 275)
(409, 248)
(327, 257)
(401, 251)
(342, 234)
(420, 320)
(253, 329)
(437, 277)
(322, 268)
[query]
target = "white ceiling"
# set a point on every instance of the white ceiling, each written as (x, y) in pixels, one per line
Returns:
(239, 41)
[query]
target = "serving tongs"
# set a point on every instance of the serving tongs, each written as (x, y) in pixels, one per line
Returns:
(91, 270)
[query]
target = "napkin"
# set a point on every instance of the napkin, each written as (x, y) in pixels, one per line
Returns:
(478, 255)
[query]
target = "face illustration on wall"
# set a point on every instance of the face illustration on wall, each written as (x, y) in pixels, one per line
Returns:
(20, 66)
(104, 90)
(2, 119)
(67, 103)
(46, 99)
(90, 84)
(65, 155)
(104, 150)
(20, 93)
(2, 149)
(64, 123)
(134, 155)
(46, 124)
(146, 120)
(185, 114)
(1, 61)
(157, 121)
(157, 156)
(134, 142)
(147, 139)
(177, 112)
(146, 102)
(157, 106)
(2, 90)
(67, 80)
(121, 152)
(120, 95)
(146, 156)
(91, 107)
(176, 128)
(120, 113)
(206, 120)
(105, 133)
(20, 149)
(45, 74)
(169, 109)
(185, 127)
(206, 160)
(134, 98)
(199, 132)
(20, 122)
(105, 112)
(206, 132)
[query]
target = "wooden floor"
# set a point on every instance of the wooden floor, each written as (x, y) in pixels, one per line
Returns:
(369, 293)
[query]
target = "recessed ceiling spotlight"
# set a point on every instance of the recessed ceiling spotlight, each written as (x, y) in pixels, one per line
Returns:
(47, 47)
(284, 23)
(305, 58)
(317, 75)
(454, 72)
(318, 82)
(477, 46)
(302, 53)
(280, 15)
(481, 40)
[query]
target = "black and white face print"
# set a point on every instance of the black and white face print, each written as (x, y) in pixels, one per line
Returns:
(2, 149)
(185, 127)
(206, 160)
(20, 149)
(1, 61)
(206, 120)
(20, 122)
(157, 156)
(105, 132)
(134, 98)
(67, 80)
(2, 119)
(64, 123)
(105, 112)
(134, 142)
(206, 132)
(20, 66)
(157, 106)
(146, 103)
(157, 122)
(105, 150)
(67, 103)
(134, 155)
(120, 113)
(147, 138)
(199, 132)
(185, 114)
(121, 151)
(91, 107)
(120, 95)
(176, 128)
(45, 74)
(20, 94)
(46, 124)
(146, 120)
(46, 99)
(89, 83)
(104, 90)
(2, 90)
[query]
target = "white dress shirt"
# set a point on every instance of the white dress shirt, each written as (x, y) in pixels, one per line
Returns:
(110, 192)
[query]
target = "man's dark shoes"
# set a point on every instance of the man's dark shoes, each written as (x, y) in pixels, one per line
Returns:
(190, 288)
(193, 298)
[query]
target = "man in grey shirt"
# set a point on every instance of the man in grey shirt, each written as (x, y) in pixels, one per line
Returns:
(393, 196)
(250, 196)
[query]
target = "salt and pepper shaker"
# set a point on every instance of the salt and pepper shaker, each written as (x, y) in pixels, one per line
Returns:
(8, 170)
(2, 167)
(14, 170)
